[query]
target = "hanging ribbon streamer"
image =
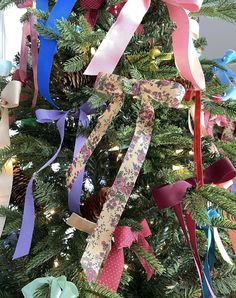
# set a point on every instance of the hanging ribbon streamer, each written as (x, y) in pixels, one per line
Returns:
(59, 287)
(29, 30)
(168, 93)
(226, 76)
(47, 116)
(168, 196)
(111, 272)
(111, 49)
(48, 47)
(10, 97)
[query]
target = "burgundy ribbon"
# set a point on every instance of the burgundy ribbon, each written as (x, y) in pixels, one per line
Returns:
(124, 237)
(172, 195)
(92, 7)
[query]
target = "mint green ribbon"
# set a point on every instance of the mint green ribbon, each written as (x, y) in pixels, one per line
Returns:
(60, 287)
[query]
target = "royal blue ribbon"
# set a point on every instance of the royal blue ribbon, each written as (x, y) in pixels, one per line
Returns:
(48, 47)
(227, 76)
(48, 116)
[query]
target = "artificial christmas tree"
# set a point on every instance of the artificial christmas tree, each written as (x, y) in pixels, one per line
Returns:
(148, 61)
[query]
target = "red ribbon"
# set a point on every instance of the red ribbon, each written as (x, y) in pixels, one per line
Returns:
(124, 237)
(93, 7)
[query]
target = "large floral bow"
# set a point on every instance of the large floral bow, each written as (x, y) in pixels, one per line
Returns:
(10, 98)
(166, 92)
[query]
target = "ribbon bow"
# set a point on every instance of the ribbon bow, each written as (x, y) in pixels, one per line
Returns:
(165, 92)
(227, 76)
(24, 3)
(10, 97)
(167, 196)
(60, 287)
(47, 116)
(111, 49)
(123, 237)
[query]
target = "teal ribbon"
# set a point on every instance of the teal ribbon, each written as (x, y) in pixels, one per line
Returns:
(60, 287)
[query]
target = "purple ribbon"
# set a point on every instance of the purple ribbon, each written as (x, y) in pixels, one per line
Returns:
(27, 227)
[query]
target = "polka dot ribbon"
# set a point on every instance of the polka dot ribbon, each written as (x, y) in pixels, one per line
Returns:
(124, 237)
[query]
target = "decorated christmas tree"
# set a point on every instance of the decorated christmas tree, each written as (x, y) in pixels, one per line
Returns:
(117, 180)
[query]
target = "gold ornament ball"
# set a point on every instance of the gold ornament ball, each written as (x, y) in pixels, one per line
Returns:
(153, 53)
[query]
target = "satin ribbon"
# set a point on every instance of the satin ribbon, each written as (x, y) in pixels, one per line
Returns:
(114, 265)
(10, 97)
(111, 49)
(167, 196)
(47, 116)
(167, 93)
(227, 76)
(24, 3)
(93, 8)
(59, 287)
(48, 47)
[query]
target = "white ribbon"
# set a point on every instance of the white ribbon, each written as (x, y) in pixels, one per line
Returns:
(10, 97)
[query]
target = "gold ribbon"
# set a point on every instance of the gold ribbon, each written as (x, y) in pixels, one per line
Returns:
(10, 97)
(166, 92)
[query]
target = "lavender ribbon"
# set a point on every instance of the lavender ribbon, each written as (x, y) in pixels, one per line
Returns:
(27, 227)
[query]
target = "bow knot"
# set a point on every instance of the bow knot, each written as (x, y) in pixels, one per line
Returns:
(170, 195)
(60, 287)
(124, 237)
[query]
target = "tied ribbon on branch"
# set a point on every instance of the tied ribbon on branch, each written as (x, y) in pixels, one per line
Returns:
(167, 196)
(93, 7)
(110, 275)
(48, 47)
(27, 227)
(59, 287)
(10, 97)
(111, 49)
(165, 92)
(226, 76)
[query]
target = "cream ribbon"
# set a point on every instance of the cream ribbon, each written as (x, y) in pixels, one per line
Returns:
(10, 97)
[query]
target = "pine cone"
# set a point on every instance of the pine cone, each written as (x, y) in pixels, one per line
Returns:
(20, 182)
(77, 79)
(92, 207)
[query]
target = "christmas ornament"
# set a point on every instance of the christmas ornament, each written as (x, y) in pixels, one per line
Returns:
(226, 76)
(128, 21)
(167, 93)
(10, 97)
(154, 53)
(59, 287)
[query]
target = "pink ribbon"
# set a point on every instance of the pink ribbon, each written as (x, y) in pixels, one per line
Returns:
(211, 120)
(112, 47)
(28, 29)
(24, 4)
(186, 58)
(111, 273)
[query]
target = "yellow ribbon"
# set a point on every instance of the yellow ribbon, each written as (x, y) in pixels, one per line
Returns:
(10, 97)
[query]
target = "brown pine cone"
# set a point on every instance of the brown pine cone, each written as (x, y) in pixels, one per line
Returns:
(20, 182)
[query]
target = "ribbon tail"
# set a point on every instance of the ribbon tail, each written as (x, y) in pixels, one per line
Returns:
(112, 47)
(112, 270)
(221, 248)
(184, 51)
(145, 245)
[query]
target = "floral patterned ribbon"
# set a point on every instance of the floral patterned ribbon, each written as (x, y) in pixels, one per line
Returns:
(166, 92)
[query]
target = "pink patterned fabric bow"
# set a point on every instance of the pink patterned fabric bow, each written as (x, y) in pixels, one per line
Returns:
(124, 237)
(211, 120)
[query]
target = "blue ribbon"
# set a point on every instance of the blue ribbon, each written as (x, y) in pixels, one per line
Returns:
(210, 255)
(48, 47)
(226, 77)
